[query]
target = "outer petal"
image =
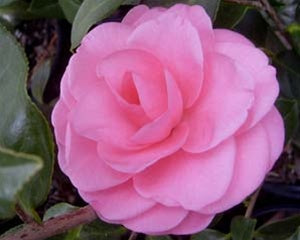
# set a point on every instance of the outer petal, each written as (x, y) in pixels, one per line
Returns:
(118, 203)
(273, 124)
(157, 219)
(84, 167)
(251, 165)
(222, 106)
(225, 35)
(133, 161)
(175, 42)
(264, 77)
(193, 223)
(59, 119)
(135, 14)
(190, 180)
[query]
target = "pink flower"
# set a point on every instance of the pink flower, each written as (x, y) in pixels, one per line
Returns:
(164, 122)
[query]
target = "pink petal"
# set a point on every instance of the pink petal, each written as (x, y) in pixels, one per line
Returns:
(99, 116)
(59, 119)
(273, 124)
(175, 42)
(190, 180)
(151, 14)
(119, 203)
(84, 167)
(264, 77)
(161, 127)
(135, 14)
(225, 35)
(65, 92)
(222, 106)
(252, 161)
(157, 219)
(147, 74)
(132, 161)
(193, 223)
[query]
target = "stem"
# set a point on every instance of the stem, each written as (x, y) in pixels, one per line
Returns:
(250, 3)
(53, 226)
(252, 203)
(132, 236)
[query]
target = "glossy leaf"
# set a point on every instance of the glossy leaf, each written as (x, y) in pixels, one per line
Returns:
(39, 80)
(229, 15)
(46, 9)
(294, 30)
(211, 6)
(15, 170)
(289, 110)
(131, 2)
(209, 234)
(242, 228)
(280, 230)
(89, 13)
(22, 127)
(70, 8)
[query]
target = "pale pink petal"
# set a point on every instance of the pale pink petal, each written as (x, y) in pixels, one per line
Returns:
(193, 223)
(153, 13)
(59, 119)
(98, 116)
(118, 203)
(222, 106)
(147, 77)
(161, 127)
(131, 161)
(65, 93)
(157, 219)
(225, 35)
(85, 169)
(256, 62)
(191, 180)
(175, 42)
(273, 124)
(251, 164)
(135, 14)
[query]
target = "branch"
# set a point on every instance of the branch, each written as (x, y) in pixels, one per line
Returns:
(53, 226)
(250, 3)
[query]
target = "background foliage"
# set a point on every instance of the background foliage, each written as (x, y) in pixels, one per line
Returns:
(36, 40)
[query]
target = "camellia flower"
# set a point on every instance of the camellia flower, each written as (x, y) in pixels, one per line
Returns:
(164, 122)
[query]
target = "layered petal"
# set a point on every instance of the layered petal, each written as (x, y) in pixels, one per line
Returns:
(59, 119)
(118, 203)
(189, 180)
(157, 219)
(225, 35)
(222, 106)
(251, 164)
(175, 42)
(133, 161)
(274, 126)
(85, 169)
(135, 14)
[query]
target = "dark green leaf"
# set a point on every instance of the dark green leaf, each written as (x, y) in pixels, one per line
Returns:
(17, 10)
(242, 228)
(280, 230)
(39, 80)
(89, 13)
(70, 8)
(15, 170)
(6, 2)
(22, 127)
(158, 238)
(229, 15)
(289, 110)
(46, 9)
(294, 30)
(131, 2)
(211, 6)
(296, 235)
(209, 234)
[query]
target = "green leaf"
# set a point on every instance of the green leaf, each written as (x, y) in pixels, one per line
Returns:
(22, 126)
(39, 80)
(98, 230)
(242, 228)
(131, 2)
(280, 230)
(17, 10)
(209, 234)
(89, 13)
(158, 238)
(15, 170)
(294, 30)
(211, 6)
(229, 15)
(46, 9)
(6, 2)
(289, 110)
(70, 8)
(296, 235)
